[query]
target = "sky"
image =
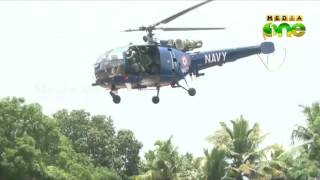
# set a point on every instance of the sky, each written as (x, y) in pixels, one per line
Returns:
(48, 49)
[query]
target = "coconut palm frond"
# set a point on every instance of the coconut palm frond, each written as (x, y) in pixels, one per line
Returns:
(227, 129)
(301, 134)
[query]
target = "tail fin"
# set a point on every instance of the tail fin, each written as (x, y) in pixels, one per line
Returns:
(267, 47)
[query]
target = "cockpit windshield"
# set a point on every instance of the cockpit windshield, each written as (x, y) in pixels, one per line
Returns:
(112, 62)
(113, 54)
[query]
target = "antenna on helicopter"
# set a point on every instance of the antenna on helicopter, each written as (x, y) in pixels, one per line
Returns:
(149, 37)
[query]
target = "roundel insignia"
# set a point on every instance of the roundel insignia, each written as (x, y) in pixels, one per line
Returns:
(185, 63)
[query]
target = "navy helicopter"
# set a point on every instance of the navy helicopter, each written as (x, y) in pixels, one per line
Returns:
(165, 63)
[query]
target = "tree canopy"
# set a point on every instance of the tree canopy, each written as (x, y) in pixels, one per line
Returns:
(69, 145)
(73, 144)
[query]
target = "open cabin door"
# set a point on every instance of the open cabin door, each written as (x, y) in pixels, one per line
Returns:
(143, 60)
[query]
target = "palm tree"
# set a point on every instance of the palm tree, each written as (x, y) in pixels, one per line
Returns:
(240, 142)
(216, 164)
(275, 166)
(162, 163)
(309, 135)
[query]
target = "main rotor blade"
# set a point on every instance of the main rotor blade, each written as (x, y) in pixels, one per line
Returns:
(130, 30)
(142, 28)
(189, 29)
(165, 21)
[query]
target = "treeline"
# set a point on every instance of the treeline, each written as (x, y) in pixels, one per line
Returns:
(77, 145)
(68, 145)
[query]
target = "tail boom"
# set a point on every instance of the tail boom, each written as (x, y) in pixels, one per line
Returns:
(207, 59)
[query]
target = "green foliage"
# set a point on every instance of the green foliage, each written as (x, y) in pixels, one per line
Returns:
(165, 163)
(216, 164)
(273, 167)
(164, 159)
(310, 134)
(32, 147)
(298, 166)
(306, 163)
(128, 151)
(96, 137)
(74, 145)
(91, 136)
(240, 142)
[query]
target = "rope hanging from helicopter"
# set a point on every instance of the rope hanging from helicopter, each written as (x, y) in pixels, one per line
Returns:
(266, 64)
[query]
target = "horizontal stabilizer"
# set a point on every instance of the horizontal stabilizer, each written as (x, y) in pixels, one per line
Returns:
(267, 47)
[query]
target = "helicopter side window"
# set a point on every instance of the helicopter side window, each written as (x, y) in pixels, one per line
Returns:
(144, 59)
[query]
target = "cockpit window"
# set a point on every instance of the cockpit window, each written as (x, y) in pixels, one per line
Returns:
(113, 54)
(112, 62)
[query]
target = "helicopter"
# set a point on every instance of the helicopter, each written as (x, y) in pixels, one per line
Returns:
(165, 63)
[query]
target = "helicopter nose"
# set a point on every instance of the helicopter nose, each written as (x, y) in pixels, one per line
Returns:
(96, 66)
(98, 71)
(109, 69)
